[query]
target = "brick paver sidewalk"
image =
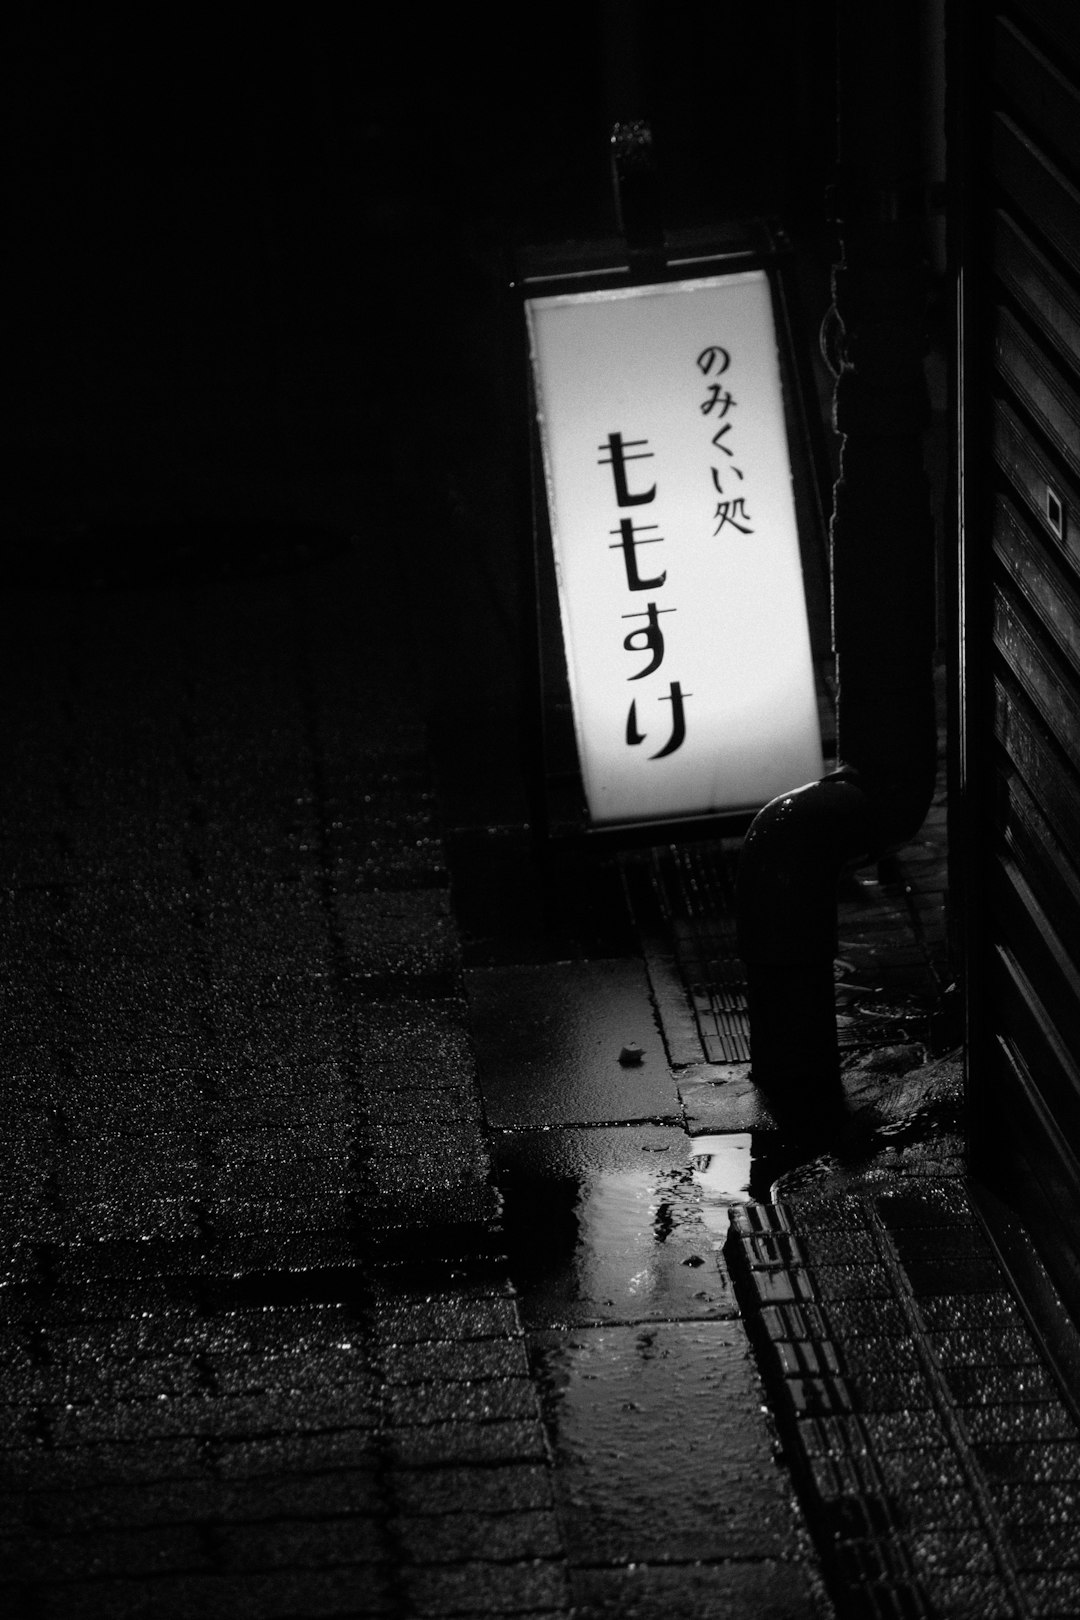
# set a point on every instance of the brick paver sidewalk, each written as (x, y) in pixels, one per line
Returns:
(260, 1354)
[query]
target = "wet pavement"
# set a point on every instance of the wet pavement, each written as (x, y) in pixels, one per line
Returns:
(937, 1452)
(261, 1354)
(363, 1258)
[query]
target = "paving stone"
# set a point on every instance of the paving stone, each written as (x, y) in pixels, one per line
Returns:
(1045, 1547)
(930, 1510)
(357, 1589)
(323, 1209)
(976, 1386)
(852, 1282)
(967, 1313)
(702, 1489)
(414, 1043)
(942, 1205)
(799, 1358)
(438, 1160)
(71, 1381)
(243, 1458)
(836, 1477)
(889, 1392)
(269, 1412)
(291, 1368)
(515, 1487)
(485, 1588)
(874, 1562)
(794, 1322)
(548, 1038)
(295, 1329)
(453, 1538)
(736, 1589)
(425, 1109)
(859, 1515)
(485, 1401)
(1026, 1504)
(313, 1544)
(976, 1595)
(464, 1318)
(454, 1362)
(870, 1355)
(1027, 1420)
(464, 1203)
(78, 1467)
(1011, 1461)
(862, 1318)
(111, 1552)
(976, 1348)
(967, 1274)
(317, 1495)
(953, 1551)
(400, 935)
(1048, 1594)
(920, 1429)
(442, 1444)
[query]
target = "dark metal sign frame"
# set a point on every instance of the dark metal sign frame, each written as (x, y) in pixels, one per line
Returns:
(559, 809)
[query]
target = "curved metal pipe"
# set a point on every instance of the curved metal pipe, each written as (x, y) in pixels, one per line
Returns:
(785, 901)
(790, 865)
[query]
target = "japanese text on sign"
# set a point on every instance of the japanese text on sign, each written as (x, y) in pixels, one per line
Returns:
(675, 546)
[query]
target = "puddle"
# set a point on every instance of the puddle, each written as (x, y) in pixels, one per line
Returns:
(929, 1141)
(661, 1449)
(626, 1223)
(722, 1167)
(620, 1223)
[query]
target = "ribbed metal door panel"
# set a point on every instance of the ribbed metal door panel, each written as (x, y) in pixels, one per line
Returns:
(1028, 544)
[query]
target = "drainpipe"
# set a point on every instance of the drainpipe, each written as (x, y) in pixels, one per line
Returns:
(882, 583)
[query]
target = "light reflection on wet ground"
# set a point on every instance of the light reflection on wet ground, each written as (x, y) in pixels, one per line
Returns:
(615, 1231)
(650, 1395)
(626, 1222)
(619, 1223)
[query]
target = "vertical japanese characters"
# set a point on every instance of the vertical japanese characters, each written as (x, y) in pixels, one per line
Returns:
(718, 403)
(645, 639)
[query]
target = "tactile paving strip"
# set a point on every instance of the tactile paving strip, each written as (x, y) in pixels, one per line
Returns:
(697, 890)
(938, 1464)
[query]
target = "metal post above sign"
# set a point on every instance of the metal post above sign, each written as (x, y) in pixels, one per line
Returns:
(672, 520)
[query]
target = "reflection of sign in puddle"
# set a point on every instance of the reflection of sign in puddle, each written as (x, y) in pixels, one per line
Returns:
(721, 1166)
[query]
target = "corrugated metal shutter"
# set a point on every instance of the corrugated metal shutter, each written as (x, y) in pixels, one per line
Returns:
(1024, 548)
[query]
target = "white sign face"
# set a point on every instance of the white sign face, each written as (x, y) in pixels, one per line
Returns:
(676, 548)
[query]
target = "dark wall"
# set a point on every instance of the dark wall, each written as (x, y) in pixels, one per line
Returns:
(196, 200)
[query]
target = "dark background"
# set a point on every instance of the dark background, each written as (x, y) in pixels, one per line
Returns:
(259, 262)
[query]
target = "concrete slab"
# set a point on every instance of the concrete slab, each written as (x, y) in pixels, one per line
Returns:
(662, 1450)
(549, 1037)
(722, 1097)
(736, 1589)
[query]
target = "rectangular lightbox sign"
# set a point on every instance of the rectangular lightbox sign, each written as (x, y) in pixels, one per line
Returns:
(676, 548)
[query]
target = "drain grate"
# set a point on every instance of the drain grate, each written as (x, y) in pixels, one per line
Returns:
(887, 983)
(695, 885)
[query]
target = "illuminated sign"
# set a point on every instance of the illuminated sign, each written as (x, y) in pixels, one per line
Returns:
(676, 547)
